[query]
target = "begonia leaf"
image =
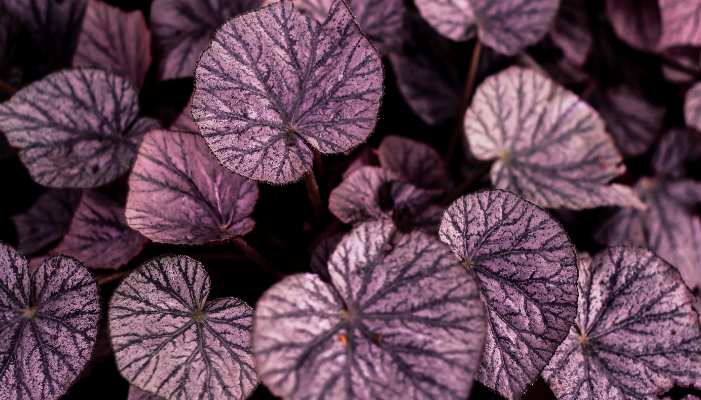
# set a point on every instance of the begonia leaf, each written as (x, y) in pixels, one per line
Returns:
(681, 20)
(636, 22)
(413, 161)
(692, 107)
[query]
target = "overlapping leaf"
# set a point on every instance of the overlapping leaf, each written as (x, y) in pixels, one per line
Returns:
(264, 102)
(46, 221)
(636, 22)
(550, 147)
(114, 40)
(452, 18)
(414, 162)
(400, 320)
(137, 394)
(182, 29)
(321, 254)
(48, 325)
(527, 271)
(571, 30)
(179, 193)
(692, 107)
(681, 23)
(184, 122)
(170, 341)
(99, 236)
(676, 148)
(75, 128)
(636, 334)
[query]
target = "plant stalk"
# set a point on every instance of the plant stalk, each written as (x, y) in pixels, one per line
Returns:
(253, 255)
(314, 194)
(456, 139)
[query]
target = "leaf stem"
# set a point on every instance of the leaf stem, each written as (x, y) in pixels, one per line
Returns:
(455, 140)
(105, 279)
(253, 255)
(313, 192)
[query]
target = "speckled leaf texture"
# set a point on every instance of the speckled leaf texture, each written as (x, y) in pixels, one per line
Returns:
(48, 325)
(526, 267)
(550, 146)
(75, 128)
(180, 194)
(681, 23)
(114, 40)
(170, 341)
(453, 19)
(45, 221)
(400, 320)
(381, 21)
(636, 22)
(636, 334)
(570, 31)
(137, 394)
(182, 29)
(99, 236)
(692, 107)
(264, 102)
(414, 162)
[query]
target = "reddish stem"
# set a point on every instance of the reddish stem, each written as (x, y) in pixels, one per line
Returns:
(455, 140)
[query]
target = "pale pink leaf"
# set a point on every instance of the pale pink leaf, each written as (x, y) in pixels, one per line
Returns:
(453, 19)
(681, 23)
(692, 107)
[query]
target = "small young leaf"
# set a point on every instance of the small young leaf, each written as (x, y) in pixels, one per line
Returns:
(527, 271)
(169, 340)
(636, 333)
(180, 194)
(48, 325)
(400, 320)
(75, 128)
(636, 22)
(99, 236)
(182, 29)
(114, 40)
(681, 20)
(263, 101)
(571, 30)
(550, 147)
(46, 221)
(453, 19)
(137, 394)
(692, 107)
(414, 162)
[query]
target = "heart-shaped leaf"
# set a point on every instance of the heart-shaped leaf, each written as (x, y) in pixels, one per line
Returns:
(169, 340)
(636, 22)
(48, 325)
(99, 236)
(550, 147)
(137, 394)
(414, 162)
(692, 107)
(527, 271)
(263, 101)
(680, 23)
(571, 30)
(75, 128)
(400, 320)
(182, 29)
(114, 40)
(46, 221)
(453, 19)
(636, 333)
(180, 194)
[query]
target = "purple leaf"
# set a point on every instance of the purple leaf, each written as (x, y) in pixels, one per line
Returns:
(680, 23)
(381, 21)
(550, 147)
(48, 325)
(526, 267)
(184, 122)
(46, 221)
(322, 253)
(636, 333)
(264, 103)
(571, 30)
(169, 340)
(676, 148)
(692, 107)
(114, 40)
(453, 19)
(363, 158)
(633, 122)
(137, 394)
(400, 320)
(372, 193)
(75, 128)
(99, 236)
(180, 194)
(413, 161)
(636, 22)
(688, 57)
(182, 29)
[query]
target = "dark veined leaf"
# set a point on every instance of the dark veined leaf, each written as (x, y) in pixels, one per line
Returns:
(633, 122)
(636, 333)
(114, 40)
(681, 20)
(373, 193)
(414, 162)
(676, 148)
(453, 19)
(692, 107)
(182, 29)
(380, 20)
(75, 128)
(180, 194)
(137, 394)
(636, 22)
(550, 146)
(688, 57)
(321, 254)
(184, 122)
(264, 102)
(527, 270)
(99, 236)
(48, 325)
(46, 221)
(571, 30)
(400, 320)
(170, 341)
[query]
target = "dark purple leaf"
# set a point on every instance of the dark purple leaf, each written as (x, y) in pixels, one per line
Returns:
(75, 128)
(169, 340)
(414, 162)
(381, 21)
(48, 325)
(400, 320)
(322, 253)
(453, 19)
(692, 107)
(633, 122)
(526, 267)
(137, 394)
(184, 122)
(264, 102)
(636, 333)
(180, 194)
(550, 147)
(681, 23)
(182, 29)
(676, 148)
(99, 236)
(114, 40)
(365, 157)
(571, 30)
(687, 57)
(46, 221)
(636, 22)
